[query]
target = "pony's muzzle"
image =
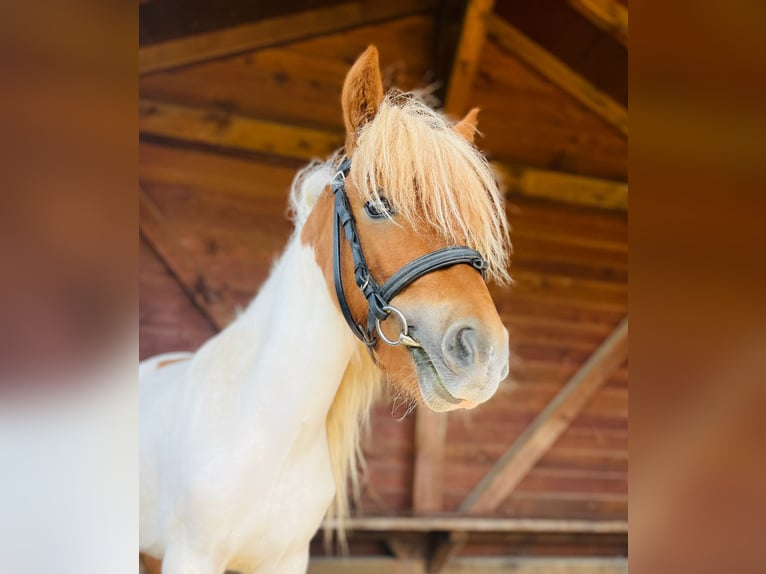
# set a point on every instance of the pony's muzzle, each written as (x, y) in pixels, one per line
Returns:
(477, 357)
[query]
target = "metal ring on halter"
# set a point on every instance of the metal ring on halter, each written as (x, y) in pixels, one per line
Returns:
(404, 338)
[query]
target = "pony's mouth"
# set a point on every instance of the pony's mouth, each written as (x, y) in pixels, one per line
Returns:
(432, 387)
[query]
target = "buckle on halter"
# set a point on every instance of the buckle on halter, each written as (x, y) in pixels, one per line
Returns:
(362, 277)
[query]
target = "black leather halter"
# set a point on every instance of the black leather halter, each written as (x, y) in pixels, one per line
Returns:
(379, 296)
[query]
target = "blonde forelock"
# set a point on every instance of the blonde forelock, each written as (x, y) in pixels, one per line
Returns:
(431, 176)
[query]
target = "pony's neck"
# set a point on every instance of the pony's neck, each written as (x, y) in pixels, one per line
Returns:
(302, 345)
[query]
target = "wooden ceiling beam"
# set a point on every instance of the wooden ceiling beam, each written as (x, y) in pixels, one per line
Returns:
(539, 60)
(562, 187)
(464, 67)
(273, 31)
(229, 130)
(609, 15)
(462, 523)
(548, 426)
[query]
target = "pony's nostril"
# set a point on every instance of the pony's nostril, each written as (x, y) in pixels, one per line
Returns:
(466, 343)
(460, 346)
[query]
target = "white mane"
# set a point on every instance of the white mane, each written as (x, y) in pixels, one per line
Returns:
(306, 188)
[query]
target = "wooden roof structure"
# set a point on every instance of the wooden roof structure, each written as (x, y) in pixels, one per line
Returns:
(236, 95)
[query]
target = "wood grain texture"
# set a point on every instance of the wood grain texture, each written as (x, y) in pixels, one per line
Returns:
(299, 83)
(168, 320)
(514, 465)
(159, 233)
(272, 31)
(380, 565)
(223, 129)
(459, 523)
(466, 63)
(528, 119)
(548, 66)
(574, 40)
(563, 187)
(609, 15)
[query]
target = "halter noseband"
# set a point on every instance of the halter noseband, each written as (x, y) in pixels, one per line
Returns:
(379, 296)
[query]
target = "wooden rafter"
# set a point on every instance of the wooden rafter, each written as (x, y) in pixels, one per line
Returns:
(549, 425)
(272, 31)
(563, 187)
(609, 15)
(156, 230)
(463, 73)
(225, 129)
(512, 40)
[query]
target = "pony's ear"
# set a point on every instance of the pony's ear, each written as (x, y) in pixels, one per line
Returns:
(468, 125)
(362, 94)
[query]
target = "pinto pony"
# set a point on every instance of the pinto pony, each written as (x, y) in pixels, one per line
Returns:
(246, 443)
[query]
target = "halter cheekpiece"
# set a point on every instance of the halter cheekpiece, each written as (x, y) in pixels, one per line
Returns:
(379, 296)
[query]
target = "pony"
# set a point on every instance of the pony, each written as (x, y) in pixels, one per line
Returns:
(247, 444)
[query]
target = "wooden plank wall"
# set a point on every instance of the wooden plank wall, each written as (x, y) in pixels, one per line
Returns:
(566, 299)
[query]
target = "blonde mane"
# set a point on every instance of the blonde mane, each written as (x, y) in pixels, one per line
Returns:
(432, 176)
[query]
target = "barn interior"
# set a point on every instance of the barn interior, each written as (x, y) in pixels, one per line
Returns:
(236, 96)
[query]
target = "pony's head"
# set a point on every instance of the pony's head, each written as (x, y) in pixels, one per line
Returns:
(416, 185)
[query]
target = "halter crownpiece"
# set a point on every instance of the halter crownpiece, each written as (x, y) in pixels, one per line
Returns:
(379, 296)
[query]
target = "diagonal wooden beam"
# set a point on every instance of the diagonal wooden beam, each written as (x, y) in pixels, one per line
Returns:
(549, 425)
(562, 187)
(513, 41)
(272, 31)
(466, 63)
(229, 130)
(155, 229)
(609, 15)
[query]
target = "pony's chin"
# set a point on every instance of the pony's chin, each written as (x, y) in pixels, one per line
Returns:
(432, 389)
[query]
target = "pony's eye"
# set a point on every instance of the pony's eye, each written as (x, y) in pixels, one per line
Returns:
(378, 209)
